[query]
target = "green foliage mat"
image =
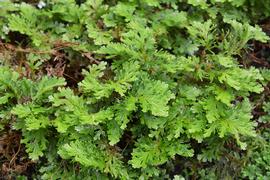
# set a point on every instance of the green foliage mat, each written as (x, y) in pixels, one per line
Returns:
(136, 89)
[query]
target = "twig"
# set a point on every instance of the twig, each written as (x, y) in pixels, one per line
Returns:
(13, 158)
